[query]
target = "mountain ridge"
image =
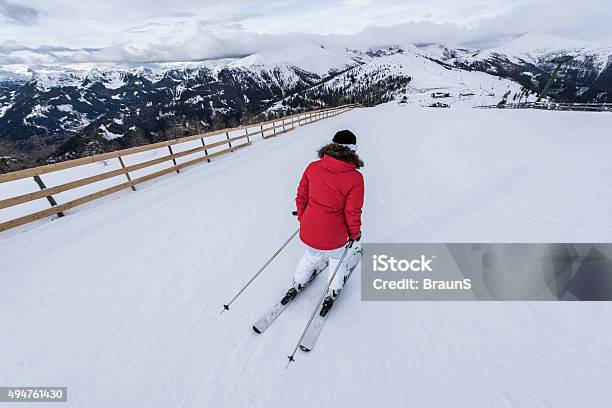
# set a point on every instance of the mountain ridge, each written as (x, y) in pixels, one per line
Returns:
(66, 111)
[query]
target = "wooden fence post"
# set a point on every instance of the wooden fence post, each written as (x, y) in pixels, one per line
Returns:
(173, 160)
(129, 172)
(205, 151)
(229, 143)
(125, 171)
(50, 198)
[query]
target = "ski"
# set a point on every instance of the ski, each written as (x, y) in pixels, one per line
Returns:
(311, 336)
(266, 320)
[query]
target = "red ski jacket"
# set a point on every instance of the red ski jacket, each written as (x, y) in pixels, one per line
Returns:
(329, 199)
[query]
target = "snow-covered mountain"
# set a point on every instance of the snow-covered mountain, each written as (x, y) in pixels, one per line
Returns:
(83, 109)
(50, 113)
(528, 60)
(405, 74)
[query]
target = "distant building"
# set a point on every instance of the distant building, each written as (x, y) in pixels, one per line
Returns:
(439, 105)
(440, 95)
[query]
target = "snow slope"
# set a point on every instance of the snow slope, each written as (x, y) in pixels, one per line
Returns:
(304, 55)
(533, 46)
(120, 300)
(406, 74)
(466, 88)
(528, 60)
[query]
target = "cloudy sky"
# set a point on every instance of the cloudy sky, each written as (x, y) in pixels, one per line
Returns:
(48, 31)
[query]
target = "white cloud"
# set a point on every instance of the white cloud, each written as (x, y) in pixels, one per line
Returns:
(154, 30)
(18, 14)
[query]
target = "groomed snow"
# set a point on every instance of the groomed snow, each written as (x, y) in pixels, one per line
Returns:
(120, 299)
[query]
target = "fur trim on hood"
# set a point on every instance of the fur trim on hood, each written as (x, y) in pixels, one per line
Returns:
(340, 152)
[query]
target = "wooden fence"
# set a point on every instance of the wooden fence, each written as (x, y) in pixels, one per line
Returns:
(589, 107)
(235, 138)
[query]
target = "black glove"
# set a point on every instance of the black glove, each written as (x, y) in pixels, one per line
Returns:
(350, 242)
(294, 213)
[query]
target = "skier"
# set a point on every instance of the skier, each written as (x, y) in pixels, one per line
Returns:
(329, 200)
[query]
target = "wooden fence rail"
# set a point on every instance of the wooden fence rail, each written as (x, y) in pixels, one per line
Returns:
(265, 130)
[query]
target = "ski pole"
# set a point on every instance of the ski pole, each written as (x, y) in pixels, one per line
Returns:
(314, 312)
(226, 306)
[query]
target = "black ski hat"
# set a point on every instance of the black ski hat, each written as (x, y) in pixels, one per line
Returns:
(345, 137)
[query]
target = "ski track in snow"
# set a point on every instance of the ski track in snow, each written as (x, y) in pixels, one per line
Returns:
(120, 300)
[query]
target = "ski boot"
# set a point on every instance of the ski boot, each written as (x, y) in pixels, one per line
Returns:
(328, 302)
(291, 293)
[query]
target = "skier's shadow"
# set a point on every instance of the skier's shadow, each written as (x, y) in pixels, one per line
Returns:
(464, 204)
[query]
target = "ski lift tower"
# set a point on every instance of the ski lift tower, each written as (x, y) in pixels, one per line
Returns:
(559, 61)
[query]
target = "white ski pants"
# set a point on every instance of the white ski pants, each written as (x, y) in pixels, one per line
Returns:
(315, 259)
